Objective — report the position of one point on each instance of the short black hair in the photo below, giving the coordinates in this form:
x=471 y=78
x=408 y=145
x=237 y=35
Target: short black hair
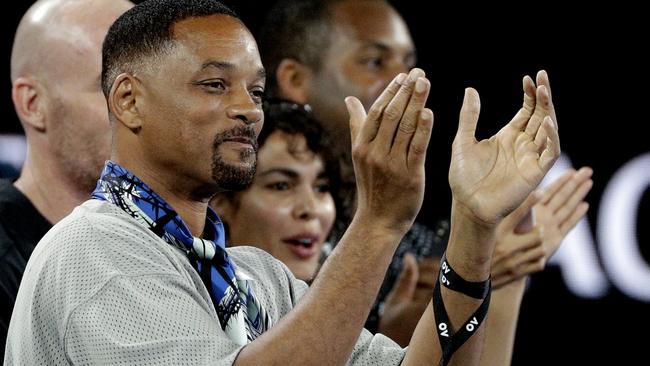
x=296 y=29
x=294 y=119
x=297 y=120
x=146 y=30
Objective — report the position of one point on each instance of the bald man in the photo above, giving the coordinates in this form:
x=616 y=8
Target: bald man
x=56 y=90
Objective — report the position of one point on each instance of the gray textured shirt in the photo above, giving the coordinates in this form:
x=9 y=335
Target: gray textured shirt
x=101 y=289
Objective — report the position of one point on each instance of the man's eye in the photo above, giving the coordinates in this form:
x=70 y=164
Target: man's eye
x=373 y=63
x=214 y=85
x=258 y=96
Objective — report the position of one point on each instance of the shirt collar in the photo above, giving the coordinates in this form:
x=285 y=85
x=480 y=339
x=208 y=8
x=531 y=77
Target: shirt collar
x=119 y=186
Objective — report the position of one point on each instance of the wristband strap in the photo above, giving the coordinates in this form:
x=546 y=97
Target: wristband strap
x=451 y=280
x=451 y=342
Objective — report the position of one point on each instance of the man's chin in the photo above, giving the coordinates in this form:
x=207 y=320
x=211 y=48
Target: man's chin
x=242 y=160
x=233 y=177
x=244 y=167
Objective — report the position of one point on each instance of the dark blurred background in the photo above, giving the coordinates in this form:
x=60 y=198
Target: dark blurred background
x=595 y=294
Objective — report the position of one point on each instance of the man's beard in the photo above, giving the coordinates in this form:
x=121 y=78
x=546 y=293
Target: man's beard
x=229 y=177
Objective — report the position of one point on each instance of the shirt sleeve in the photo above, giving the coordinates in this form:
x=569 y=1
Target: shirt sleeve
x=376 y=349
x=147 y=320
x=370 y=350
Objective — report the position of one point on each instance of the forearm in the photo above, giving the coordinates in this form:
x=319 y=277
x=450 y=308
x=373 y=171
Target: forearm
x=469 y=251
x=502 y=323
x=326 y=323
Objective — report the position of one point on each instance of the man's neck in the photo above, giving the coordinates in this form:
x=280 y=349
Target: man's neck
x=49 y=190
x=192 y=211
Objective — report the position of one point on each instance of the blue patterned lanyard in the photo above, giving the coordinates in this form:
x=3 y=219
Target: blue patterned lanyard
x=240 y=314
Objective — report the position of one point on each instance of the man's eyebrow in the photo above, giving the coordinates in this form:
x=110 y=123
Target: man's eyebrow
x=224 y=65
x=385 y=48
x=378 y=45
x=261 y=73
x=218 y=64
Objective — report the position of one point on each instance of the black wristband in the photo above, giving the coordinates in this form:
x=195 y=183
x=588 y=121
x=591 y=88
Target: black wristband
x=451 y=280
x=449 y=342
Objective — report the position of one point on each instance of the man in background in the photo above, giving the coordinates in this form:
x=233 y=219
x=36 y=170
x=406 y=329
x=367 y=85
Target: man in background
x=56 y=91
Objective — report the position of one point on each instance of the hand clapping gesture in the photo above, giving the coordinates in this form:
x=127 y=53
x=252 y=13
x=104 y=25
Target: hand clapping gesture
x=529 y=236
x=389 y=147
x=492 y=177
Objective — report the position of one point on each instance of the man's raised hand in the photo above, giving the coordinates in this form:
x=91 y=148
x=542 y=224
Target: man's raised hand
x=490 y=178
x=389 y=146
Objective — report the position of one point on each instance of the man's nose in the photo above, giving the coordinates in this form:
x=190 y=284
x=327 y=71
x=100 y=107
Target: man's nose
x=245 y=109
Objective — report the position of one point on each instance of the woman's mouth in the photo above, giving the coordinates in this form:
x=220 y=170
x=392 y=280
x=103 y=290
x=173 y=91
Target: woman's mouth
x=303 y=246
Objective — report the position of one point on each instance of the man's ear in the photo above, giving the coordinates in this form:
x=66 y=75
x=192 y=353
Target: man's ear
x=122 y=101
x=30 y=103
x=294 y=79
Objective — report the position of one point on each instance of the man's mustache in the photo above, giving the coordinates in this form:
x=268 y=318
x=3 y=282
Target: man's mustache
x=244 y=132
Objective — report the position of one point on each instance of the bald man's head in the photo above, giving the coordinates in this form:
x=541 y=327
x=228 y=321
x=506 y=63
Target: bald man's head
x=53 y=29
x=56 y=74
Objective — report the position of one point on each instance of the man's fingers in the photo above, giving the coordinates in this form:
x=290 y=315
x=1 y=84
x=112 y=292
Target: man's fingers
x=579 y=212
x=377 y=109
x=518 y=265
x=520 y=120
x=544 y=105
x=529 y=94
x=357 y=117
x=531 y=267
x=542 y=109
x=395 y=112
x=551 y=190
x=417 y=151
x=542 y=79
x=568 y=190
x=574 y=200
x=410 y=119
x=532 y=253
x=517 y=243
x=468 y=118
x=541 y=138
x=552 y=148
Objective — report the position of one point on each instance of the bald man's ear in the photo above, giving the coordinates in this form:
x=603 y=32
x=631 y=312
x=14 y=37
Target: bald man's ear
x=294 y=79
x=29 y=102
x=122 y=102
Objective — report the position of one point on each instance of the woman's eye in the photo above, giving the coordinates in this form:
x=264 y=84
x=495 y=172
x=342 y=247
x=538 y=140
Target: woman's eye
x=279 y=186
x=322 y=187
